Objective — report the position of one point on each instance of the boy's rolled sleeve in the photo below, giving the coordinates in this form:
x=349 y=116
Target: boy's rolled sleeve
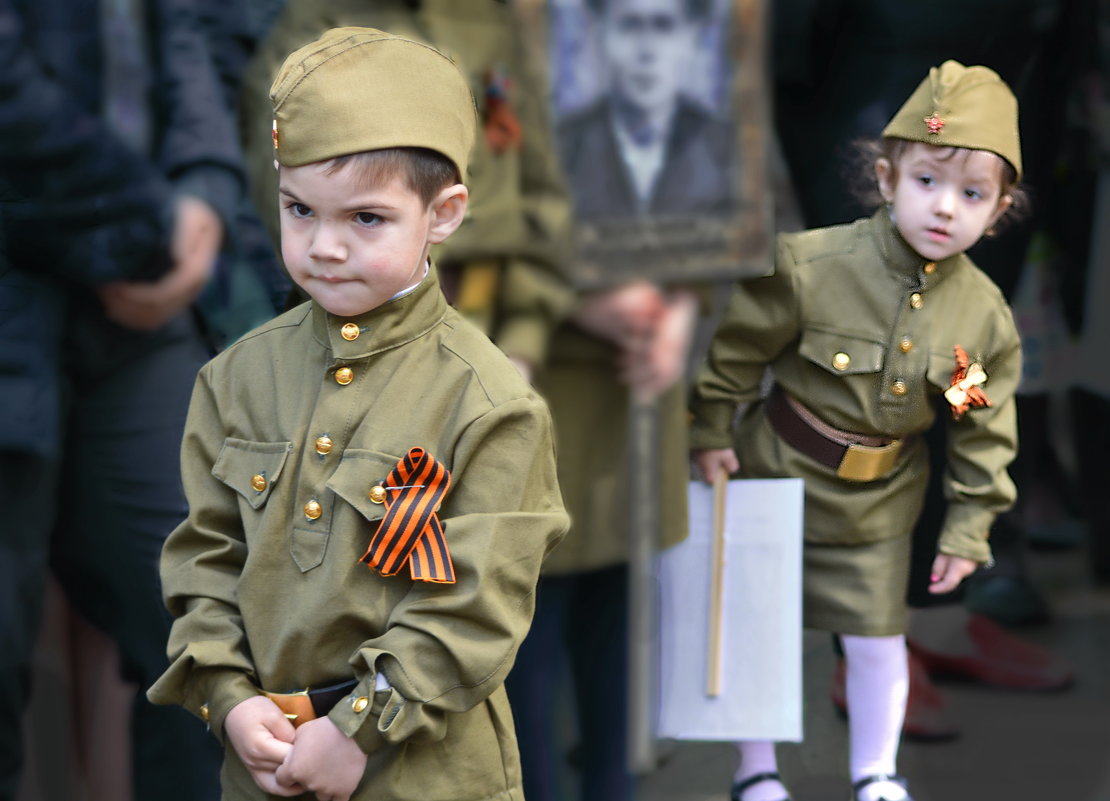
x=210 y=668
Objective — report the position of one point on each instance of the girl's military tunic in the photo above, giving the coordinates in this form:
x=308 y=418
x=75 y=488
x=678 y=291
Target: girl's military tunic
x=861 y=330
x=289 y=431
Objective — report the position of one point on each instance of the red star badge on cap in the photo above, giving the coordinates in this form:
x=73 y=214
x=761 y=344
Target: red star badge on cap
x=934 y=123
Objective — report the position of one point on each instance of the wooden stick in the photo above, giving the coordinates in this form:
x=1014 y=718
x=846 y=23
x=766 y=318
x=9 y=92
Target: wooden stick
x=716 y=590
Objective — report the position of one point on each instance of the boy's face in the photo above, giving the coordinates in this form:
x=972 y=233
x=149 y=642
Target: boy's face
x=352 y=247
x=943 y=199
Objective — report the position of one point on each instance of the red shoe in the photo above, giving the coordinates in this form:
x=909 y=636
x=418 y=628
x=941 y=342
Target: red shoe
x=996 y=658
x=927 y=717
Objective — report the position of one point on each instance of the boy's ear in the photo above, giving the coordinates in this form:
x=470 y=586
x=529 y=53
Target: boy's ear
x=448 y=209
x=884 y=174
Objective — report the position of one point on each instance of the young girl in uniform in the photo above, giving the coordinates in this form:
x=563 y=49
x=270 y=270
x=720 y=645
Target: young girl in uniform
x=863 y=326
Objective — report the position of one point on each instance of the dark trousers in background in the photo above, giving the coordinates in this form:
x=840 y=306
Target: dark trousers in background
x=97 y=514
x=581 y=624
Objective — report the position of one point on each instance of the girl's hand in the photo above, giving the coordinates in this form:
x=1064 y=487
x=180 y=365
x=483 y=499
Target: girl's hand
x=948 y=572
x=712 y=462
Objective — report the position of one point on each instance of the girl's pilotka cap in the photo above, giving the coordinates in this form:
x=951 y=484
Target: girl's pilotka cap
x=958 y=106
x=359 y=89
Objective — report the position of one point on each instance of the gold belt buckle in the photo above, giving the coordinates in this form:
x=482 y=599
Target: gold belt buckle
x=297 y=706
x=868 y=462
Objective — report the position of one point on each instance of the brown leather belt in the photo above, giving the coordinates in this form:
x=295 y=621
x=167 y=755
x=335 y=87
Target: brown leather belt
x=305 y=705
x=854 y=457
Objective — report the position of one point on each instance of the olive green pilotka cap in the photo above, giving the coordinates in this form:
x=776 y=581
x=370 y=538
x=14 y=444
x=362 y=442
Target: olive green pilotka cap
x=958 y=106
x=359 y=89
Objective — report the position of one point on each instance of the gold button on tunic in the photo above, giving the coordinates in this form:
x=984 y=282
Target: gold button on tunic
x=349 y=331
x=313 y=510
x=258 y=482
x=324 y=445
x=344 y=375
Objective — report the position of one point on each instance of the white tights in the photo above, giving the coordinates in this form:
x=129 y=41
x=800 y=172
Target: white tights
x=877 y=687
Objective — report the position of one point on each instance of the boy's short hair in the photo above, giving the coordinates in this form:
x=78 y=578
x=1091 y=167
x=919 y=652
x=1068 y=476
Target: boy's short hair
x=425 y=172
x=361 y=89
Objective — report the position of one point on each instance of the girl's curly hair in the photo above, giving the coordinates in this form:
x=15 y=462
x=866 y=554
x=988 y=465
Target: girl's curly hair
x=864 y=185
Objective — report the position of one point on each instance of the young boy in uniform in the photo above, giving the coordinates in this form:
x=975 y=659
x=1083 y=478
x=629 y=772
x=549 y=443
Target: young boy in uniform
x=371 y=482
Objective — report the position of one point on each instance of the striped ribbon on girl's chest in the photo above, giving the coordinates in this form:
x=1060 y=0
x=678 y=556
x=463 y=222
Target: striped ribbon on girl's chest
x=410 y=530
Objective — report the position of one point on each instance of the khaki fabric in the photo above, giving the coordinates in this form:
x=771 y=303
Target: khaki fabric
x=519 y=214
x=858 y=291
x=958 y=106
x=591 y=412
x=857 y=589
x=266 y=598
x=357 y=89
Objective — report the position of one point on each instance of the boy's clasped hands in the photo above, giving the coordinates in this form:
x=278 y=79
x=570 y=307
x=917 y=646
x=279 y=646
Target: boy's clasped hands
x=314 y=757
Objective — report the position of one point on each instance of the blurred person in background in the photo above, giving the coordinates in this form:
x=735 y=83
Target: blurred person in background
x=121 y=176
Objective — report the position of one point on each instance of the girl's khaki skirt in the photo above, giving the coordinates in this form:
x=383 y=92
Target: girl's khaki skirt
x=857 y=534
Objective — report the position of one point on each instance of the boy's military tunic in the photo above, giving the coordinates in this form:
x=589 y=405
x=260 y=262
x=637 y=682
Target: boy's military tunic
x=288 y=431
x=861 y=330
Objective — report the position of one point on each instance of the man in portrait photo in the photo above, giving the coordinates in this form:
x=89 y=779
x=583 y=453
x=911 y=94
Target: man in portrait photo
x=647 y=145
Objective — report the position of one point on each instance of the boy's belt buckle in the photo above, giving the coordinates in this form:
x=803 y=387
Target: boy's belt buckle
x=868 y=462
x=296 y=706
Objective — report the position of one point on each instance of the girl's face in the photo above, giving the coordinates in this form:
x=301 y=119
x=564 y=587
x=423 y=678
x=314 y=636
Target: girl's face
x=943 y=199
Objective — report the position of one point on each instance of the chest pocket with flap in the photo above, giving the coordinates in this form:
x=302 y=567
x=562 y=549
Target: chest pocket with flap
x=357 y=473
x=840 y=353
x=251 y=468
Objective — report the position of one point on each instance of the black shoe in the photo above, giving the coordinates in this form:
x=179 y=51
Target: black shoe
x=739 y=788
x=878 y=777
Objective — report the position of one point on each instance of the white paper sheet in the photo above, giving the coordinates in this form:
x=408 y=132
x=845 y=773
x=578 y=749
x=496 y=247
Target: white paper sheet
x=761 y=620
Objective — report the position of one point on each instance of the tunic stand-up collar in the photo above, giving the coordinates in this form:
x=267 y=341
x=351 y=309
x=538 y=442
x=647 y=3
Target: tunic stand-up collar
x=393 y=323
x=902 y=260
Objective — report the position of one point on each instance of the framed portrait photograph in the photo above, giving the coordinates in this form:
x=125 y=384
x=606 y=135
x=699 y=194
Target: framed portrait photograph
x=661 y=115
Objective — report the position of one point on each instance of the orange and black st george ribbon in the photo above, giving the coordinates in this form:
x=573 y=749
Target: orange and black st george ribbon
x=410 y=531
